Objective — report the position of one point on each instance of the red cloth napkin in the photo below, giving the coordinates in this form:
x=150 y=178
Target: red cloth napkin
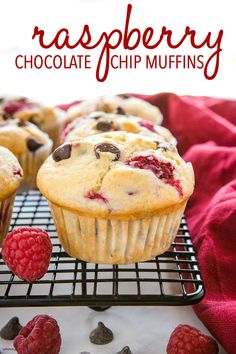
x=206 y=131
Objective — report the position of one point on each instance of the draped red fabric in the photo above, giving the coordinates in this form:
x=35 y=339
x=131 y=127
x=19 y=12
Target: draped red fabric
x=205 y=128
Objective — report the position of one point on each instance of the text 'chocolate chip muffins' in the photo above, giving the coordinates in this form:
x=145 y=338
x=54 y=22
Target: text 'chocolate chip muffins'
x=99 y=122
x=125 y=104
x=29 y=144
x=48 y=119
x=116 y=197
x=10 y=178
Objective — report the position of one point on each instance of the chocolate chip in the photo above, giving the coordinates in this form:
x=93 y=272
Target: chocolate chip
x=21 y=123
x=63 y=152
x=96 y=115
x=101 y=335
x=106 y=147
x=11 y=329
x=104 y=126
x=125 y=350
x=6 y=116
x=32 y=120
x=120 y=110
x=2 y=99
x=33 y=144
x=84 y=353
x=124 y=96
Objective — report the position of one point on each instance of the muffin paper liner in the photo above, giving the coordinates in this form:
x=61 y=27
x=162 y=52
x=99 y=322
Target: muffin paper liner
x=113 y=241
x=30 y=163
x=6 y=207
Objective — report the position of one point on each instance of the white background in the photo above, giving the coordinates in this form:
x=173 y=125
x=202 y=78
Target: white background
x=18 y=19
x=141 y=328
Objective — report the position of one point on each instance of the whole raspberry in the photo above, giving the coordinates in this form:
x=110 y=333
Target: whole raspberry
x=186 y=339
x=40 y=336
x=27 y=252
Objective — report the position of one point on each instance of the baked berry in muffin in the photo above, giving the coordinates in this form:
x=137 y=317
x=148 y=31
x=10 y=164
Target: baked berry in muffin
x=124 y=104
x=29 y=144
x=46 y=118
x=100 y=122
x=10 y=178
x=123 y=196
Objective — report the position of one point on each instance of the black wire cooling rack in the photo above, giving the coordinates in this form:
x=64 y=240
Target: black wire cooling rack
x=172 y=278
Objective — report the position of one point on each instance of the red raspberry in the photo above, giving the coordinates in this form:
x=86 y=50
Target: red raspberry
x=27 y=252
x=41 y=335
x=186 y=339
x=162 y=170
x=13 y=107
x=94 y=195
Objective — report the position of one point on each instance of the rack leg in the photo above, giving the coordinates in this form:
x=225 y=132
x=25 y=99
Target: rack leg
x=83 y=277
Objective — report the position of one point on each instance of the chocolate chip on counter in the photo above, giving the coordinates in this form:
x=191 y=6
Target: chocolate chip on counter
x=101 y=335
x=120 y=110
x=104 y=126
x=84 y=353
x=11 y=329
x=125 y=350
x=33 y=144
x=106 y=147
x=63 y=152
x=124 y=96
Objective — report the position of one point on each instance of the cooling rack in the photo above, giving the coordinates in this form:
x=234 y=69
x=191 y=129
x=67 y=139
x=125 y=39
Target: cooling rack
x=172 y=278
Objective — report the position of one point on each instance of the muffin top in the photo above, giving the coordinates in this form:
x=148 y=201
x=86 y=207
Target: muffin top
x=27 y=109
x=99 y=122
x=116 y=175
x=10 y=173
x=20 y=136
x=125 y=103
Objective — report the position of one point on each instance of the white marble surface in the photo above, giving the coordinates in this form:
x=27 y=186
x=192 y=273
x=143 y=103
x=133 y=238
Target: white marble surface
x=144 y=329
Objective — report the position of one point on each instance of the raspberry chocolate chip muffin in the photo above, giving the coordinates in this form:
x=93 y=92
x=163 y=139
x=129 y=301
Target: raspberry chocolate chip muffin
x=29 y=144
x=123 y=196
x=10 y=178
x=99 y=122
x=124 y=103
x=47 y=119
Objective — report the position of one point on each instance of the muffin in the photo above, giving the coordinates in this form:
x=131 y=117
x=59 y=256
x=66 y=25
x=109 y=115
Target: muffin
x=47 y=119
x=121 y=103
x=10 y=178
x=123 y=196
x=29 y=144
x=99 y=122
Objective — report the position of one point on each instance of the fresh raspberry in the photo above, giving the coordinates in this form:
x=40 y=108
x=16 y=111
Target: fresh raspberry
x=186 y=339
x=41 y=335
x=27 y=252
